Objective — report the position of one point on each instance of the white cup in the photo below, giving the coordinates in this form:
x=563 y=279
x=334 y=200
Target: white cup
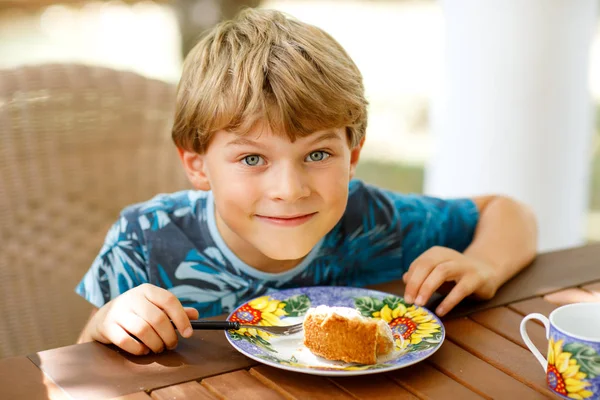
x=573 y=364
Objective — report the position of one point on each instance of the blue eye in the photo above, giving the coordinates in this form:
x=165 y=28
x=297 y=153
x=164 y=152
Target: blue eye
x=253 y=160
x=317 y=156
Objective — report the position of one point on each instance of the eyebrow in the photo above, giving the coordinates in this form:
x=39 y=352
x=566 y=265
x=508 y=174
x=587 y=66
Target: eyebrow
x=328 y=135
x=241 y=141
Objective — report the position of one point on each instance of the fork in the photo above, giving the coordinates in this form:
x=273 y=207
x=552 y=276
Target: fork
x=226 y=325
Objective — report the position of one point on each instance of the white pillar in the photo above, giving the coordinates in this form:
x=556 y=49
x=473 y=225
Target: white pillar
x=514 y=114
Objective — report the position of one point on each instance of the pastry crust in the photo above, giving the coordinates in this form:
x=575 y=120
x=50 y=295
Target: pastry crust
x=341 y=333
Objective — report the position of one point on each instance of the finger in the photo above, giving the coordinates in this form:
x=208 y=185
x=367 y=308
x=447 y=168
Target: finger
x=97 y=334
x=171 y=305
x=159 y=321
x=415 y=280
x=117 y=335
x=192 y=313
x=138 y=327
x=463 y=288
x=421 y=267
x=433 y=256
x=441 y=273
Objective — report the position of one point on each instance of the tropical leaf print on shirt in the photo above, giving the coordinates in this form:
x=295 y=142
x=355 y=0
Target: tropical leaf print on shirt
x=171 y=241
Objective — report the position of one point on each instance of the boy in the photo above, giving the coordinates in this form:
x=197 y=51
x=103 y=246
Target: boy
x=270 y=121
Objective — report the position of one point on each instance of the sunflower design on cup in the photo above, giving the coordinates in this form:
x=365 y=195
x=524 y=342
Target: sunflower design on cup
x=572 y=365
x=564 y=373
x=414 y=328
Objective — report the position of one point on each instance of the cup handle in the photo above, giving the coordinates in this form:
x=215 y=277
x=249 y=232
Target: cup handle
x=528 y=341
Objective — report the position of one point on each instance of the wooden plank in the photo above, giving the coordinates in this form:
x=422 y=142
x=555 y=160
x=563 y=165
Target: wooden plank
x=427 y=382
x=478 y=375
x=187 y=390
x=506 y=322
x=110 y=372
x=22 y=379
x=301 y=386
x=373 y=387
x=545 y=275
x=572 y=295
x=533 y=305
x=394 y=287
x=240 y=385
x=133 y=396
x=503 y=354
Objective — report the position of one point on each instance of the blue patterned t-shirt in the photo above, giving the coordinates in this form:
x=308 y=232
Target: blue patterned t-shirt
x=172 y=241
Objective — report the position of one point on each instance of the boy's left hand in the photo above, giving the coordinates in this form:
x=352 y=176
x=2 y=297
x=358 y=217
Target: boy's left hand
x=440 y=265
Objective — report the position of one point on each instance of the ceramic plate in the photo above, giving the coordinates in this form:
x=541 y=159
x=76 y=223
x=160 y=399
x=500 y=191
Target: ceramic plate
x=418 y=333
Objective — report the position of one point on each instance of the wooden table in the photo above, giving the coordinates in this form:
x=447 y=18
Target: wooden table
x=483 y=355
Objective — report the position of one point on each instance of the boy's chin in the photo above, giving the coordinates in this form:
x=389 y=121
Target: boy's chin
x=287 y=253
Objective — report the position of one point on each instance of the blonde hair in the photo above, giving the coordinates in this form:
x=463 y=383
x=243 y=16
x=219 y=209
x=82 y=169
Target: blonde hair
x=266 y=66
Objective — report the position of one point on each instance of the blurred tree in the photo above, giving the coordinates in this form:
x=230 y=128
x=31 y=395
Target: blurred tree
x=37 y=4
x=195 y=16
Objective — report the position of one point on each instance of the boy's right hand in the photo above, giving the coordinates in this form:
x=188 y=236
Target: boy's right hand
x=144 y=312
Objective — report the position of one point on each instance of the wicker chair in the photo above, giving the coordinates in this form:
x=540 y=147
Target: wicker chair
x=77 y=144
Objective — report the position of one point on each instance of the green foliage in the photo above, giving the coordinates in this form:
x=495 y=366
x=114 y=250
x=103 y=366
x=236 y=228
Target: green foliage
x=436 y=338
x=587 y=358
x=297 y=305
x=393 y=301
x=255 y=340
x=367 y=305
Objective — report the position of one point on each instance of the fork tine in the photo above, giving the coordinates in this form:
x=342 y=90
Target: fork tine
x=278 y=330
x=294 y=329
x=287 y=329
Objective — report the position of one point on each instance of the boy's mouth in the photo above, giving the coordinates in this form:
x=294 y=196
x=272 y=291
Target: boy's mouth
x=287 y=220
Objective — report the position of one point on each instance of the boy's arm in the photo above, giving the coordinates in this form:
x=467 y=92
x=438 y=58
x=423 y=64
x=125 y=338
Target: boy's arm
x=506 y=236
x=505 y=241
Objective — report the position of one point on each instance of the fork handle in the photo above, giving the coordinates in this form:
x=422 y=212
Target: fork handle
x=215 y=325
x=202 y=325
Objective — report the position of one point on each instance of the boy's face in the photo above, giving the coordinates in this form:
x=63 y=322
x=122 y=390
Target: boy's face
x=275 y=199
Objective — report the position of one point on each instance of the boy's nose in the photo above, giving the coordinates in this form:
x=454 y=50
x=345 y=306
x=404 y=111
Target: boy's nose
x=289 y=184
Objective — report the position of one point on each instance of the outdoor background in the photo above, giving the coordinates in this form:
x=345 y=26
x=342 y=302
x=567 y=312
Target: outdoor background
x=397 y=44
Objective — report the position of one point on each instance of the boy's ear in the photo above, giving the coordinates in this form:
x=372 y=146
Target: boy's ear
x=354 y=157
x=195 y=168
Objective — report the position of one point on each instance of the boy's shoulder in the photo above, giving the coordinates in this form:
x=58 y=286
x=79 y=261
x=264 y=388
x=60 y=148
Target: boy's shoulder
x=361 y=192
x=364 y=196
x=424 y=221
x=176 y=204
x=383 y=203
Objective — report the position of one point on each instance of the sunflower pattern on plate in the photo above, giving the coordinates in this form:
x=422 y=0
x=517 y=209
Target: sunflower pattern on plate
x=266 y=311
x=418 y=331
x=566 y=372
x=414 y=328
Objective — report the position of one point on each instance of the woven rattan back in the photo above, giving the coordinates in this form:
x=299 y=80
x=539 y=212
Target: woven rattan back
x=77 y=144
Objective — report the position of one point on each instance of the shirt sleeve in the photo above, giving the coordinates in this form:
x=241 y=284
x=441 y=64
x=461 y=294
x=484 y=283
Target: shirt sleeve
x=429 y=221
x=120 y=265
